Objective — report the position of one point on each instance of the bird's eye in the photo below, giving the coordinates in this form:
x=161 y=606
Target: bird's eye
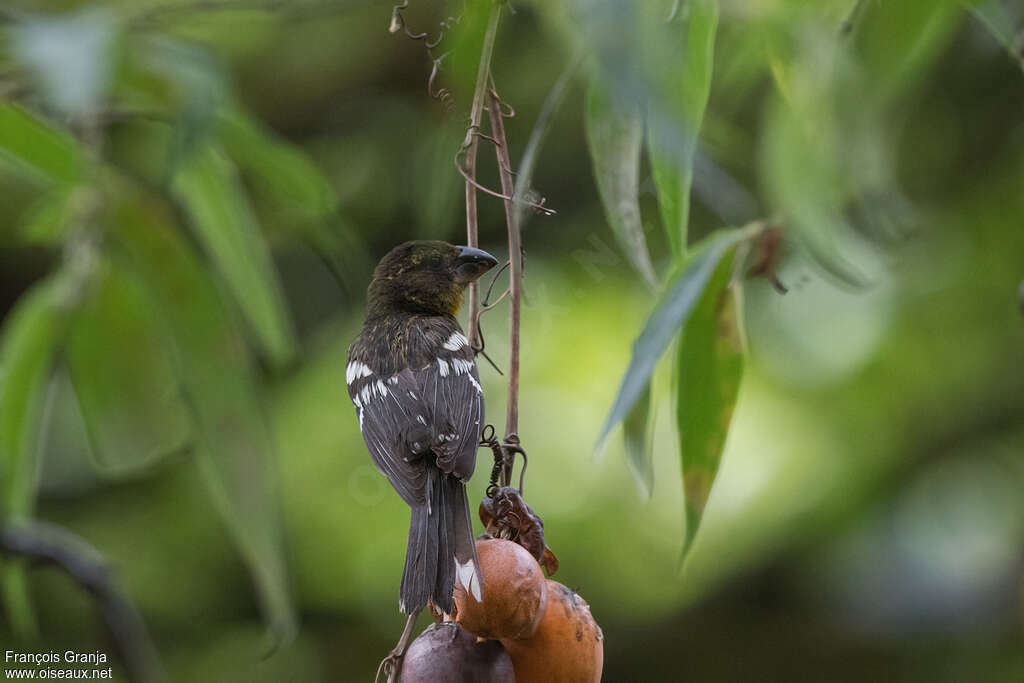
x=428 y=261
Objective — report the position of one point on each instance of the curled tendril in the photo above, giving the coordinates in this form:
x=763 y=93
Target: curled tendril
x=490 y=288
x=504 y=459
x=443 y=95
x=398 y=23
x=487 y=305
x=507 y=110
x=527 y=199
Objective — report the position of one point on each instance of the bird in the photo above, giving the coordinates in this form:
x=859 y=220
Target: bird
x=413 y=380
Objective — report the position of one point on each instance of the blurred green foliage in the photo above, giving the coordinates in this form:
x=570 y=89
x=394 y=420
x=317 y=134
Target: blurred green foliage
x=194 y=194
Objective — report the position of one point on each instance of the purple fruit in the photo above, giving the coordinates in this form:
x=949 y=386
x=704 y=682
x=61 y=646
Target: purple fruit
x=447 y=652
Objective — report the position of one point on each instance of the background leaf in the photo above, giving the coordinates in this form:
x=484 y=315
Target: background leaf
x=615 y=132
x=234 y=448
x=279 y=170
x=671 y=314
x=638 y=440
x=894 y=60
x=676 y=113
x=207 y=186
x=709 y=367
x=827 y=158
x=803 y=173
x=30 y=337
x=37 y=150
x=187 y=82
x=300 y=194
x=122 y=375
x=45 y=221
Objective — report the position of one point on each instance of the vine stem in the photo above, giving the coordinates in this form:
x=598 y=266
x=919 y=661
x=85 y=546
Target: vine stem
x=515 y=257
x=469 y=144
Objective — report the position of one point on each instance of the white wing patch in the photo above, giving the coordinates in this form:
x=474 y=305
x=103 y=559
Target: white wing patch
x=442 y=366
x=460 y=365
x=456 y=341
x=372 y=390
x=466 y=575
x=355 y=370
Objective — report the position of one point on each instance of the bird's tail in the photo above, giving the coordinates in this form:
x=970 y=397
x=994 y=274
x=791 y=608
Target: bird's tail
x=441 y=547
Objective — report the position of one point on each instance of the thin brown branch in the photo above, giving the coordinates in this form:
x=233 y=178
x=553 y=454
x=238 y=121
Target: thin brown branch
x=468 y=167
x=472 y=239
x=515 y=255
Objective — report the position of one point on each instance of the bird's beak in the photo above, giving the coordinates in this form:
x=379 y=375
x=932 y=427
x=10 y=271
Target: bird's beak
x=471 y=263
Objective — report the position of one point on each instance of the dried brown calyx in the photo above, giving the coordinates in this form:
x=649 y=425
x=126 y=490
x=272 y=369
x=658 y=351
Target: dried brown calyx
x=767 y=252
x=506 y=515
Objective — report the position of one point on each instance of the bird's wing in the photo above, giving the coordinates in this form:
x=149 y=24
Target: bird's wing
x=454 y=406
x=388 y=408
x=436 y=405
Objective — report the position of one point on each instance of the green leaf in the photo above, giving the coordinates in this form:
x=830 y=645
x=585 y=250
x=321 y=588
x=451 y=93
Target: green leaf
x=45 y=221
x=280 y=171
x=531 y=153
x=184 y=79
x=674 y=119
x=37 y=150
x=898 y=41
x=615 y=133
x=286 y=178
x=672 y=312
x=122 y=376
x=828 y=147
x=638 y=440
x=207 y=186
x=30 y=337
x=803 y=174
x=29 y=341
x=709 y=367
x=234 y=447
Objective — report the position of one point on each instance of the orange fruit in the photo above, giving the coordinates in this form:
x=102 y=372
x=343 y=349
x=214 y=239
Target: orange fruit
x=513 y=592
x=566 y=647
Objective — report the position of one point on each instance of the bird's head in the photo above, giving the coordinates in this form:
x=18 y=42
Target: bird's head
x=425 y=277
